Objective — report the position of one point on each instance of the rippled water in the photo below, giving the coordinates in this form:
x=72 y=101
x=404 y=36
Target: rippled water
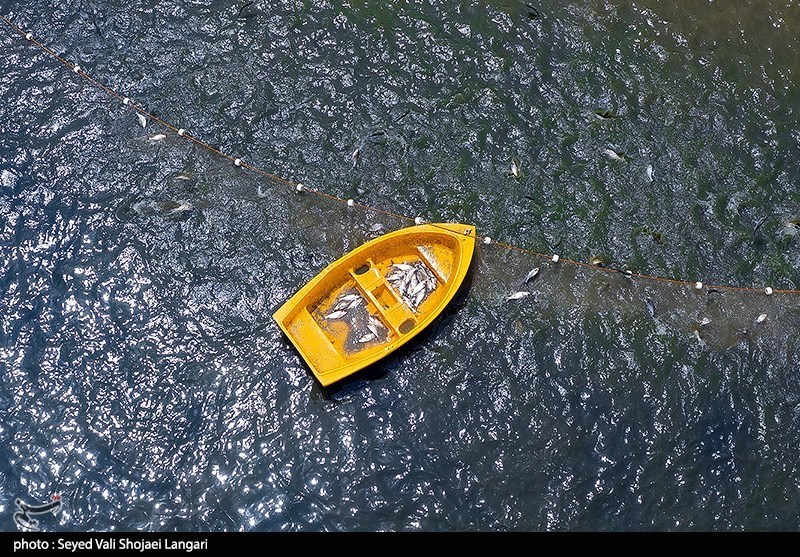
x=143 y=377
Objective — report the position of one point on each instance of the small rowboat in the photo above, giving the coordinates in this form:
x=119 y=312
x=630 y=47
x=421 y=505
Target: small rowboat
x=376 y=298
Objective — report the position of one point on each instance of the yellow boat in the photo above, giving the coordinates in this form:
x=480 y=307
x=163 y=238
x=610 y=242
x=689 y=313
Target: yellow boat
x=376 y=298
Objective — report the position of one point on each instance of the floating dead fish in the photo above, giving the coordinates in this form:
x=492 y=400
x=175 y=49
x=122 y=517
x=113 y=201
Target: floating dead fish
x=166 y=205
x=761 y=318
x=142 y=119
x=532 y=274
x=696 y=334
x=651 y=309
x=158 y=137
x=376 y=227
x=184 y=176
x=367 y=338
x=182 y=207
x=705 y=321
x=514 y=168
x=614 y=155
x=790 y=228
x=517 y=295
x=356 y=156
x=649 y=172
x=603 y=114
x=336 y=314
x=598 y=261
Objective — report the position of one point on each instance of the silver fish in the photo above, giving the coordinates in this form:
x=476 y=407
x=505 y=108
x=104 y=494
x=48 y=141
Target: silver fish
x=406 y=282
x=417 y=289
x=354 y=303
x=402 y=266
x=532 y=274
x=183 y=206
x=372 y=325
x=366 y=338
x=376 y=227
x=517 y=295
x=613 y=155
x=419 y=298
x=649 y=172
x=336 y=315
x=350 y=297
x=158 y=137
x=142 y=119
x=431 y=286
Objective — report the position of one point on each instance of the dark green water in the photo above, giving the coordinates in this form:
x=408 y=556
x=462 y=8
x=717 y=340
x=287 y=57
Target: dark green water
x=143 y=377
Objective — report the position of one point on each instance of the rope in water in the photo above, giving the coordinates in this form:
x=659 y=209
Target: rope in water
x=238 y=162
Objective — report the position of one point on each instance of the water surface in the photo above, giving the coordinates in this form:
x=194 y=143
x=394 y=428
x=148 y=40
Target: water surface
x=143 y=377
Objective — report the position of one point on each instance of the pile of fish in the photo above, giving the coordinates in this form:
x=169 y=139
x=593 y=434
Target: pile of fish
x=412 y=281
x=346 y=306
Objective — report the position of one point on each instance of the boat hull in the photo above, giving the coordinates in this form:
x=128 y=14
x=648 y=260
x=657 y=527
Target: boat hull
x=371 y=301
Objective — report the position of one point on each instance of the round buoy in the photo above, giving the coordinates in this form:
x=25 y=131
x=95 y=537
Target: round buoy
x=29 y=36
x=768 y=290
x=126 y=101
x=299 y=187
x=555 y=258
x=76 y=68
x=418 y=220
x=487 y=240
x=238 y=162
x=698 y=285
x=181 y=132
x=350 y=202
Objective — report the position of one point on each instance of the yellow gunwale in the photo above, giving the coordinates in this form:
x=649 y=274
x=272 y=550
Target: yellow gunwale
x=330 y=362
